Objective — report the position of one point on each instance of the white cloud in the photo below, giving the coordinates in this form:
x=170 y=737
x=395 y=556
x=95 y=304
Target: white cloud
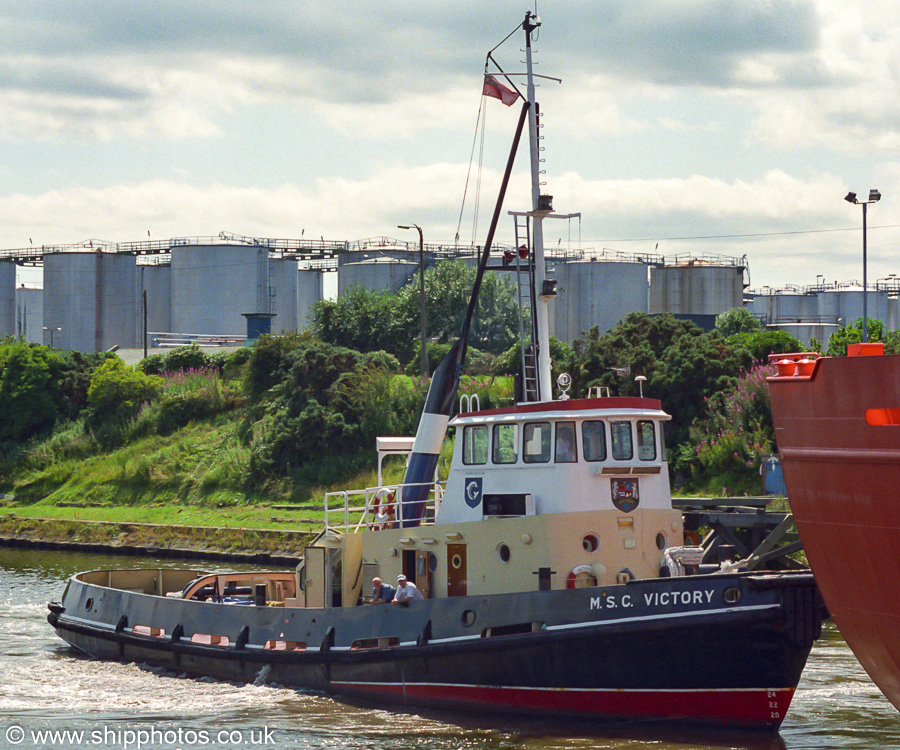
x=720 y=117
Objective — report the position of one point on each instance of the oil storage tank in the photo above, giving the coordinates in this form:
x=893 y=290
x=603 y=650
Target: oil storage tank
x=30 y=313
x=310 y=289
x=90 y=300
x=596 y=292
x=283 y=293
x=7 y=298
x=155 y=280
x=214 y=285
x=789 y=305
x=380 y=273
x=697 y=286
x=845 y=302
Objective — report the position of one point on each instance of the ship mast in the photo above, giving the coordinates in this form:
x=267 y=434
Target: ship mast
x=540 y=208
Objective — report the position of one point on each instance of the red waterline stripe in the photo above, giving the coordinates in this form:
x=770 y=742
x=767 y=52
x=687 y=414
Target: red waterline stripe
x=751 y=706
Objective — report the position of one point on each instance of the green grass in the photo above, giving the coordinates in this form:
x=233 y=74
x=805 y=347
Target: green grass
x=249 y=517
x=194 y=476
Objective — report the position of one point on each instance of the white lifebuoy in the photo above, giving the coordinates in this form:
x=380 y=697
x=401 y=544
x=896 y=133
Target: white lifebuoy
x=384 y=505
x=587 y=574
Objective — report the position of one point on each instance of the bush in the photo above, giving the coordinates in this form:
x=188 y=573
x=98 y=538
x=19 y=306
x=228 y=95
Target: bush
x=190 y=357
x=726 y=446
x=737 y=320
x=153 y=364
x=270 y=360
x=853 y=334
x=30 y=394
x=193 y=358
x=179 y=410
x=381 y=360
x=436 y=352
x=118 y=392
x=757 y=346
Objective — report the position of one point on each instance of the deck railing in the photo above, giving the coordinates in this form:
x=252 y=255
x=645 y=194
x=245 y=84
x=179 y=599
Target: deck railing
x=351 y=511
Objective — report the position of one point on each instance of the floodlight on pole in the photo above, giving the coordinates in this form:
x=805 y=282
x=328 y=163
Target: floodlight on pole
x=874 y=197
x=52 y=329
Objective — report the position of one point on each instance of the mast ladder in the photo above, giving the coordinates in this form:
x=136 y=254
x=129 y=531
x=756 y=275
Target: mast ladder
x=527 y=304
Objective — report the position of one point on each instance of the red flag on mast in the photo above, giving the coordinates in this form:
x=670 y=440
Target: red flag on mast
x=492 y=87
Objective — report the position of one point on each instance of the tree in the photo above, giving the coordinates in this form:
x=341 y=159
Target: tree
x=682 y=364
x=448 y=288
x=30 y=398
x=367 y=320
x=737 y=320
x=758 y=345
x=852 y=334
x=327 y=409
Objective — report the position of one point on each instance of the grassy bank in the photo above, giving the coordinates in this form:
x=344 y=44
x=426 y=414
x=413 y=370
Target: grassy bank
x=158 y=537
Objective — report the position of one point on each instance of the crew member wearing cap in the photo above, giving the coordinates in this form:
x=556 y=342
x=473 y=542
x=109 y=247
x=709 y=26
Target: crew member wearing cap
x=406 y=590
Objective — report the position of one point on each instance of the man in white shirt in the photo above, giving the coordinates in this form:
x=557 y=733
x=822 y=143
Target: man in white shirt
x=406 y=590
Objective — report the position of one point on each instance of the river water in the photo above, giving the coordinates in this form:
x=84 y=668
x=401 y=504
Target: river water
x=45 y=688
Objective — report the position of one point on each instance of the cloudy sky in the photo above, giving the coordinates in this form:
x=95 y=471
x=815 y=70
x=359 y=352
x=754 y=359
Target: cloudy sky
x=731 y=127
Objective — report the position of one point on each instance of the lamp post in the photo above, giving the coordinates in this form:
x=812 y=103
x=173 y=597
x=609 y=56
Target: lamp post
x=424 y=356
x=874 y=197
x=52 y=331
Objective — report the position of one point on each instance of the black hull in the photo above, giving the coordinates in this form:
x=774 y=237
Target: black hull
x=632 y=659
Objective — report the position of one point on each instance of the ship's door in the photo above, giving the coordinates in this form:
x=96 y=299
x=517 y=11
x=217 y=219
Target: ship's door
x=317 y=584
x=456 y=570
x=423 y=572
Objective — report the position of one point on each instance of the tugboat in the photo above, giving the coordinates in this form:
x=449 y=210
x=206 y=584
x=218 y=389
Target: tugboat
x=837 y=425
x=551 y=566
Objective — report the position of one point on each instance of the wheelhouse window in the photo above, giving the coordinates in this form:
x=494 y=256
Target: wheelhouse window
x=536 y=447
x=505 y=443
x=622 y=449
x=566 y=450
x=593 y=438
x=646 y=441
x=475 y=444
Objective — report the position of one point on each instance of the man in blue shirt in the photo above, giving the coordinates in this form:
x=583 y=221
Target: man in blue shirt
x=382 y=593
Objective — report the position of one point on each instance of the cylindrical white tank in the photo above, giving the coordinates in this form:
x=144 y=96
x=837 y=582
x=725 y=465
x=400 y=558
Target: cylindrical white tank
x=213 y=285
x=7 y=298
x=829 y=306
x=30 y=314
x=386 y=273
x=785 y=306
x=156 y=281
x=805 y=332
x=89 y=300
x=696 y=288
x=283 y=286
x=847 y=304
x=596 y=293
x=310 y=289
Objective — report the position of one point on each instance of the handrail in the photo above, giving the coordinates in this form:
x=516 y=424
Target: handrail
x=367 y=520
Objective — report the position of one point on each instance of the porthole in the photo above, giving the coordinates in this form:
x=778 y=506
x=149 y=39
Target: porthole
x=503 y=552
x=590 y=542
x=731 y=595
x=456 y=561
x=467 y=619
x=661 y=541
x=89 y=604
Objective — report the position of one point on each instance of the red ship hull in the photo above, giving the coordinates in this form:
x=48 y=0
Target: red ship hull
x=837 y=425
